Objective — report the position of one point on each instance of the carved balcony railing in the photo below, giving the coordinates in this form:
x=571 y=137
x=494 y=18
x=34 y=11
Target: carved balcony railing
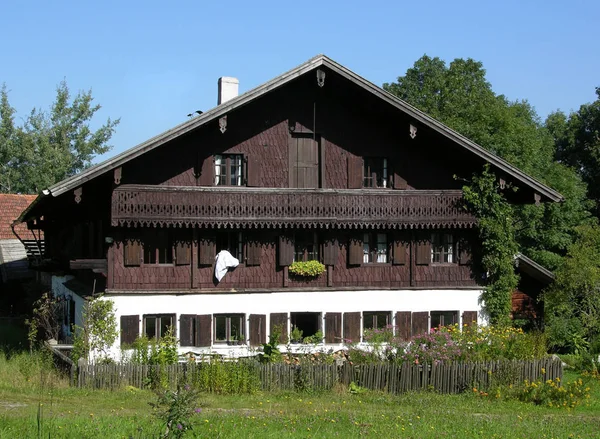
x=273 y=208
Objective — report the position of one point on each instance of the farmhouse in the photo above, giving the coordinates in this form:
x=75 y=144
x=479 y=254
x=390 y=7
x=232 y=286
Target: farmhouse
x=317 y=164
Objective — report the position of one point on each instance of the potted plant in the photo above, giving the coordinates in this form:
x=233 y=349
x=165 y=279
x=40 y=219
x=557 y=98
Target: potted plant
x=296 y=336
x=307 y=269
x=316 y=338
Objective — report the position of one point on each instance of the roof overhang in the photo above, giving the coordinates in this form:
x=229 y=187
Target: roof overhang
x=534 y=269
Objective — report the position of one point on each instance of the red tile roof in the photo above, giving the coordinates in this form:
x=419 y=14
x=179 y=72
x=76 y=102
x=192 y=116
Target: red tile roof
x=11 y=206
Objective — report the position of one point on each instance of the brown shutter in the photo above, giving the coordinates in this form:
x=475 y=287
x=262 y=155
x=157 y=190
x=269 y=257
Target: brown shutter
x=253 y=252
x=207 y=173
x=469 y=318
x=132 y=253
x=423 y=256
x=355 y=251
x=355 y=172
x=399 y=182
x=351 y=327
x=286 y=250
x=186 y=329
x=403 y=325
x=206 y=251
x=420 y=323
x=464 y=253
x=203 y=330
x=258 y=329
x=281 y=320
x=330 y=253
x=130 y=329
x=253 y=171
x=333 y=327
x=400 y=256
x=182 y=253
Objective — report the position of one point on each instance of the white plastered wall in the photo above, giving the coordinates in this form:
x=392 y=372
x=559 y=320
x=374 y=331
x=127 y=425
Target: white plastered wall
x=266 y=303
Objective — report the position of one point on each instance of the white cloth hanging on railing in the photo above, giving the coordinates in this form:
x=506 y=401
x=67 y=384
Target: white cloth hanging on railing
x=224 y=261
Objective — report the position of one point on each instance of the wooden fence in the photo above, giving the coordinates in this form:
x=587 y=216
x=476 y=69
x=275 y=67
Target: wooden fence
x=443 y=378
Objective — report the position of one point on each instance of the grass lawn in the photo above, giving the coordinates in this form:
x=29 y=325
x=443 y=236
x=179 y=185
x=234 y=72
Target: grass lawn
x=73 y=413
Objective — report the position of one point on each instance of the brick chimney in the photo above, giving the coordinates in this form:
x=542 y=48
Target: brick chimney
x=228 y=89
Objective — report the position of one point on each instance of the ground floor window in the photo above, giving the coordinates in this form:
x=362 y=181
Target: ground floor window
x=229 y=328
x=156 y=326
x=376 y=319
x=443 y=318
x=306 y=324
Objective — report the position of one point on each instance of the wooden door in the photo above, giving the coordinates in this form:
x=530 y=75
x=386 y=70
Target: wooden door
x=304 y=162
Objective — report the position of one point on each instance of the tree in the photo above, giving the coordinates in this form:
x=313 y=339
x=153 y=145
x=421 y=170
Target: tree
x=50 y=146
x=99 y=331
x=578 y=144
x=460 y=96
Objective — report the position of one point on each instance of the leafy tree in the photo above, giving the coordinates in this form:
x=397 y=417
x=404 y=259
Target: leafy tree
x=99 y=331
x=49 y=146
x=460 y=96
x=572 y=302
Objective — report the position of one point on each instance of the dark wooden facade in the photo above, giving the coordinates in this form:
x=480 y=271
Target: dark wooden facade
x=304 y=151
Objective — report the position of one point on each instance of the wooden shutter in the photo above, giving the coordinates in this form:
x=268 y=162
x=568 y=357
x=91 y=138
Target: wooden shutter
x=258 y=329
x=330 y=252
x=464 y=253
x=253 y=171
x=206 y=251
x=403 y=325
x=399 y=182
x=207 y=173
x=186 y=329
x=333 y=327
x=352 y=327
x=355 y=172
x=469 y=318
x=286 y=250
x=253 y=252
x=203 y=330
x=280 y=319
x=130 y=329
x=182 y=253
x=423 y=256
x=132 y=253
x=420 y=323
x=355 y=251
x=400 y=256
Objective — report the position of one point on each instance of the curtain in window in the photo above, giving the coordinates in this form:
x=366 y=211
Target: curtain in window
x=218 y=162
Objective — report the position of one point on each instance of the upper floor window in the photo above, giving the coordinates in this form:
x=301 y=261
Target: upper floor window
x=232 y=242
x=442 y=248
x=306 y=246
x=158 y=247
x=229 y=169
x=375 y=172
x=375 y=248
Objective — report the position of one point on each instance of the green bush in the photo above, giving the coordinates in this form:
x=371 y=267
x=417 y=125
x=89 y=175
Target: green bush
x=234 y=377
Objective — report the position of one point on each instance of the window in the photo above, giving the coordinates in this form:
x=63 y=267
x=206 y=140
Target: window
x=442 y=248
x=375 y=172
x=375 y=248
x=376 y=319
x=156 y=326
x=306 y=247
x=228 y=169
x=158 y=247
x=443 y=318
x=229 y=328
x=307 y=322
x=232 y=242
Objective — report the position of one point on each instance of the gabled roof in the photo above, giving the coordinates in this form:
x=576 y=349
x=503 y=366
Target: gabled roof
x=11 y=207
x=534 y=269
x=318 y=61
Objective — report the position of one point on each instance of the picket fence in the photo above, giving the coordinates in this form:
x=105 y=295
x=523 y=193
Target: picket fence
x=443 y=378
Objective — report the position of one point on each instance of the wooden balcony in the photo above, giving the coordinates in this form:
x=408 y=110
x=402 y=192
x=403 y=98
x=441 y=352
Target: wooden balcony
x=175 y=206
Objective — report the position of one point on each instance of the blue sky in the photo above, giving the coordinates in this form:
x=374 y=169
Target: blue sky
x=153 y=62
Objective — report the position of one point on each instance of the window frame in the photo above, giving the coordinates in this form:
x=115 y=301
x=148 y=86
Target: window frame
x=228 y=340
x=442 y=314
x=381 y=167
x=443 y=247
x=158 y=327
x=302 y=239
x=371 y=252
x=240 y=244
x=218 y=169
x=162 y=241
x=374 y=317
x=293 y=320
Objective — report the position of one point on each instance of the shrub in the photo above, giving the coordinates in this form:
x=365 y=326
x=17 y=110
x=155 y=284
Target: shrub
x=175 y=409
x=222 y=377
